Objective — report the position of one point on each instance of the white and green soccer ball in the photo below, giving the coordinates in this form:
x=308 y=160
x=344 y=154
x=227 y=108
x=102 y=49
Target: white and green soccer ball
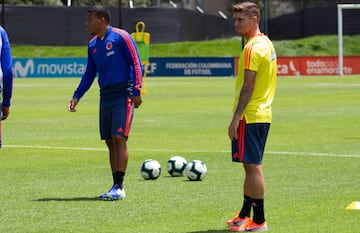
x=196 y=170
x=176 y=166
x=150 y=169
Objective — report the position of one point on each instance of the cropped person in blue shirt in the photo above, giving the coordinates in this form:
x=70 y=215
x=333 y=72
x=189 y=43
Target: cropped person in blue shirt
x=6 y=77
x=112 y=54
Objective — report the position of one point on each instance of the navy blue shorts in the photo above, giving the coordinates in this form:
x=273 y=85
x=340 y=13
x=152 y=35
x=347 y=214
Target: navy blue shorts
x=250 y=145
x=116 y=115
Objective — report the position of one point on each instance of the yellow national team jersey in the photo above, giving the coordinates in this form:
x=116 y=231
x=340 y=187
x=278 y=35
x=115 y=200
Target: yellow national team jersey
x=258 y=55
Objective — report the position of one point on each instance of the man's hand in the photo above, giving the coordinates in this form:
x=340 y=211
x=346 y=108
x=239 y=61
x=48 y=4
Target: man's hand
x=233 y=128
x=72 y=105
x=5 y=112
x=136 y=101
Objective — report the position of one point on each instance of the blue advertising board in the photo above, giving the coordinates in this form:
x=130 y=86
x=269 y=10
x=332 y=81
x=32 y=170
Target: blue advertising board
x=49 y=67
x=194 y=66
x=158 y=67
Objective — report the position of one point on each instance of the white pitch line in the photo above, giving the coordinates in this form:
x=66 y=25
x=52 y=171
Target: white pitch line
x=184 y=151
x=54 y=147
x=312 y=154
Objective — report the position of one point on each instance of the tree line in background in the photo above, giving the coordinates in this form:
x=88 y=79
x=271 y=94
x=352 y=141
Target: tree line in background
x=276 y=8
x=273 y=8
x=77 y=2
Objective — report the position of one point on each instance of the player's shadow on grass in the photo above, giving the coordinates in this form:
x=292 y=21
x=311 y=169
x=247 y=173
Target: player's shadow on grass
x=68 y=199
x=210 y=231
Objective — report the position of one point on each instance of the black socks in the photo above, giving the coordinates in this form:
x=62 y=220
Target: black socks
x=258 y=207
x=247 y=204
x=118 y=178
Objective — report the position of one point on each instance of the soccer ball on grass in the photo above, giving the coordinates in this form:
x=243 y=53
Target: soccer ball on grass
x=150 y=169
x=196 y=170
x=176 y=166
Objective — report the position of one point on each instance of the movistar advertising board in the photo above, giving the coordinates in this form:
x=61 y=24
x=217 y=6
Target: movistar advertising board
x=158 y=67
x=49 y=67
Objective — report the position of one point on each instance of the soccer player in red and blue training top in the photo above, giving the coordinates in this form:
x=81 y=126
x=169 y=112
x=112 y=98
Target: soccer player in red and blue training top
x=6 y=77
x=112 y=54
x=249 y=127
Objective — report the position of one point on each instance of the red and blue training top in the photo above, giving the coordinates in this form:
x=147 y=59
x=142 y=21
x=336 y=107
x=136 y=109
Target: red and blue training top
x=6 y=70
x=116 y=60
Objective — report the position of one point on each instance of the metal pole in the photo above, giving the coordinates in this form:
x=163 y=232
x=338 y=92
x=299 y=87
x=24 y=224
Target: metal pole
x=340 y=41
x=120 y=15
x=266 y=17
x=3 y=13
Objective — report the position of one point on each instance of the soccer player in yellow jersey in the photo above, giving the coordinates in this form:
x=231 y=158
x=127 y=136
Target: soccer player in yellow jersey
x=249 y=127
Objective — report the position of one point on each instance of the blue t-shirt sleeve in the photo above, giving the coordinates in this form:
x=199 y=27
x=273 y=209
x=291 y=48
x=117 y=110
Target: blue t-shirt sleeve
x=6 y=67
x=132 y=56
x=88 y=77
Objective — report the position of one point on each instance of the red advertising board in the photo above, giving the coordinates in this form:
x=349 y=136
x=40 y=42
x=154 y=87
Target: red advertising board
x=296 y=66
x=301 y=66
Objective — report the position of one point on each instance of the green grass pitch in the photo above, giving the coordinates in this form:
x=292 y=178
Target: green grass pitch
x=53 y=165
